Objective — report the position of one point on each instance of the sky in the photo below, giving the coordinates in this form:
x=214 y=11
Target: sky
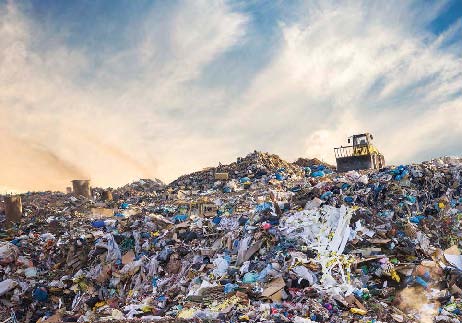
x=114 y=91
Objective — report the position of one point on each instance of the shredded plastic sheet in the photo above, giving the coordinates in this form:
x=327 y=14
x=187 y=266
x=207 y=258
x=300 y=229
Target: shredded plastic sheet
x=113 y=251
x=327 y=231
x=326 y=228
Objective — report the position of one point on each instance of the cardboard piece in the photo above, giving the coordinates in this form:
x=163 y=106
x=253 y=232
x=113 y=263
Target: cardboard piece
x=379 y=241
x=128 y=257
x=100 y=212
x=273 y=290
x=104 y=274
x=454 y=250
x=253 y=249
x=222 y=176
x=354 y=302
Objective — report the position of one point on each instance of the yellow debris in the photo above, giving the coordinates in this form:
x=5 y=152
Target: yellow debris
x=395 y=276
x=187 y=313
x=359 y=311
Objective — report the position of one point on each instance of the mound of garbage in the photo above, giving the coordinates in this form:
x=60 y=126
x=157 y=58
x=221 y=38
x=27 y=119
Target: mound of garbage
x=254 y=165
x=310 y=162
x=269 y=242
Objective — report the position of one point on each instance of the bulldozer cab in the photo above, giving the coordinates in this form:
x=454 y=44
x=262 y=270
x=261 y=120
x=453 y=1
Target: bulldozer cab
x=359 y=154
x=359 y=139
x=362 y=144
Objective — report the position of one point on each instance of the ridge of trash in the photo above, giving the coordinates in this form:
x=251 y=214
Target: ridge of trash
x=258 y=240
x=256 y=164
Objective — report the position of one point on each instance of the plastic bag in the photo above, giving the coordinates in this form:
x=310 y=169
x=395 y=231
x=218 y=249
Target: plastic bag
x=245 y=267
x=7 y=285
x=250 y=278
x=221 y=267
x=132 y=267
x=113 y=251
x=243 y=246
x=137 y=237
x=318 y=173
x=304 y=273
x=8 y=253
x=30 y=272
x=153 y=267
x=262 y=275
x=229 y=288
x=244 y=180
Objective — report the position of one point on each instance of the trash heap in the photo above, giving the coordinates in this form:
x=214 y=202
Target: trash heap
x=309 y=162
x=255 y=165
x=274 y=242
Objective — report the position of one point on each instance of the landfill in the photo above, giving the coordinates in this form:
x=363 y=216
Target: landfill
x=258 y=240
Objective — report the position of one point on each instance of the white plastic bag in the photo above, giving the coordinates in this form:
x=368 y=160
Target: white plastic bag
x=243 y=246
x=245 y=267
x=304 y=273
x=221 y=267
x=7 y=285
x=113 y=251
x=8 y=253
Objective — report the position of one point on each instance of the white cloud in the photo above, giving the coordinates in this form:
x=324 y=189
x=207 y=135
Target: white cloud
x=112 y=129
x=144 y=110
x=320 y=86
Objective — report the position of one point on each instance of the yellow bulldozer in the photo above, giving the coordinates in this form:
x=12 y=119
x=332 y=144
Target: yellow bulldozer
x=359 y=154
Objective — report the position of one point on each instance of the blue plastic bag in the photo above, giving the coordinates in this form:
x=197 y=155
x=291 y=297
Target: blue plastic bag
x=180 y=218
x=411 y=199
x=250 y=278
x=243 y=180
x=40 y=294
x=348 y=199
x=416 y=219
x=229 y=288
x=326 y=195
x=263 y=206
x=262 y=275
x=318 y=173
x=421 y=282
x=98 y=224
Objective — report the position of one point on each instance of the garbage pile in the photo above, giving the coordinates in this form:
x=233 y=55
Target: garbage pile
x=309 y=162
x=273 y=242
x=254 y=165
x=148 y=185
